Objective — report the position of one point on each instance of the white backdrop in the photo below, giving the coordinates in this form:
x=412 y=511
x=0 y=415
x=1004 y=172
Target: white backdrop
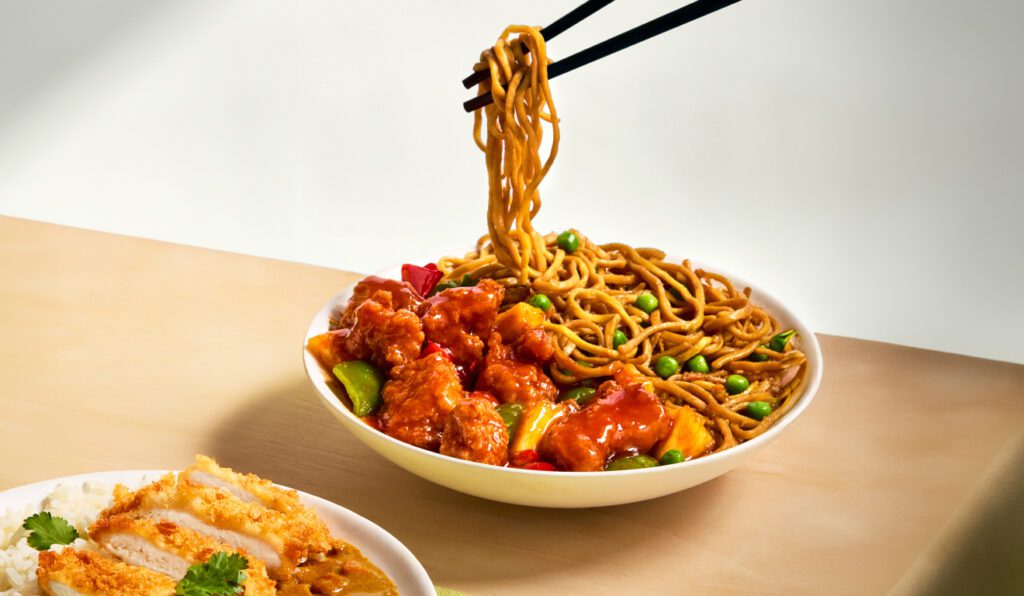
x=864 y=160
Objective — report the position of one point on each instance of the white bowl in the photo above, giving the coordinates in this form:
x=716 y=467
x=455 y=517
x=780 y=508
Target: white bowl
x=564 y=489
x=380 y=547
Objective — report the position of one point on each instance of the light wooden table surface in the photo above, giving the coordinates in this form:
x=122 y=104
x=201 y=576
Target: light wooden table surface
x=121 y=353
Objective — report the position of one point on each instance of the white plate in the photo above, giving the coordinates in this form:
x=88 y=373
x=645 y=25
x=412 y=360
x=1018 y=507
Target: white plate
x=564 y=489
x=380 y=547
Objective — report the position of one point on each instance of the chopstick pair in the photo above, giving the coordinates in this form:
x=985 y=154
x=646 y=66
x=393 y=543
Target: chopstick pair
x=680 y=16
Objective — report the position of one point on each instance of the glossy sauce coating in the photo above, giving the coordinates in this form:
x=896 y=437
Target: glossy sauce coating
x=402 y=295
x=383 y=335
x=475 y=431
x=620 y=421
x=461 y=319
x=419 y=398
x=512 y=380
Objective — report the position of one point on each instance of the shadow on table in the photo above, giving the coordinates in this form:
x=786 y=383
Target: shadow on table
x=286 y=435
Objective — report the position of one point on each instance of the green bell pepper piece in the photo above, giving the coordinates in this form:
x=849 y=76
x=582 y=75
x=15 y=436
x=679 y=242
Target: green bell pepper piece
x=363 y=383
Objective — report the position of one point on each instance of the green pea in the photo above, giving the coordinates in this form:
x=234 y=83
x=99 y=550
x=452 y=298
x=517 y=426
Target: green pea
x=568 y=241
x=672 y=456
x=666 y=366
x=647 y=302
x=582 y=394
x=363 y=382
x=540 y=301
x=444 y=285
x=778 y=343
x=510 y=414
x=618 y=338
x=759 y=409
x=698 y=364
x=632 y=462
x=736 y=384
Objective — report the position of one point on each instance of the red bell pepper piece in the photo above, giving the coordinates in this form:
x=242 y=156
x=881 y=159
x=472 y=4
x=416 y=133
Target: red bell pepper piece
x=422 y=279
x=433 y=347
x=525 y=457
x=540 y=465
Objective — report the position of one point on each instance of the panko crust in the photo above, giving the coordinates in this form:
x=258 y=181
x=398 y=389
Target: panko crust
x=92 y=573
x=292 y=537
x=269 y=494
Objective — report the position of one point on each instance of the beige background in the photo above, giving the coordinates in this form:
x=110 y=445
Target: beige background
x=118 y=353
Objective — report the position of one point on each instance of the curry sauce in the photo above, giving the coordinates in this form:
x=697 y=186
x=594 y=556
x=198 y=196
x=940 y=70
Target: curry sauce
x=343 y=570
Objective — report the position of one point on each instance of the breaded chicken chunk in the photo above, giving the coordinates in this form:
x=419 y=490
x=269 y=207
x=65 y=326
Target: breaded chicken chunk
x=170 y=549
x=512 y=380
x=73 y=572
x=403 y=297
x=619 y=421
x=461 y=319
x=475 y=431
x=281 y=540
x=248 y=487
x=383 y=335
x=417 y=401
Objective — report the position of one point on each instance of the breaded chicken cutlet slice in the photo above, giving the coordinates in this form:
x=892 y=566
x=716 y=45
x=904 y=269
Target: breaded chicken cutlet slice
x=73 y=572
x=170 y=549
x=282 y=541
x=247 y=487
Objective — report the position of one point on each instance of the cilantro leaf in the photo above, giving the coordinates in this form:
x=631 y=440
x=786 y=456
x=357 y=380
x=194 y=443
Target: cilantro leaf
x=47 y=530
x=221 y=575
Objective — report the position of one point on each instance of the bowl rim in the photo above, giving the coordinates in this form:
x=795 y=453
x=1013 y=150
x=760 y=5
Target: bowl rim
x=317 y=377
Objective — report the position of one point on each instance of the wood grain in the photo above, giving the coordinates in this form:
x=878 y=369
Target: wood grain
x=121 y=353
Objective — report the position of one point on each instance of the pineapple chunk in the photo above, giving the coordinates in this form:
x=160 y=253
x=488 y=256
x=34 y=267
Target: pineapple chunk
x=688 y=435
x=535 y=421
x=326 y=348
x=516 y=321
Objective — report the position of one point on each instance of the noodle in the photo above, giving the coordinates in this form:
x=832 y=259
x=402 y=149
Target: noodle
x=594 y=288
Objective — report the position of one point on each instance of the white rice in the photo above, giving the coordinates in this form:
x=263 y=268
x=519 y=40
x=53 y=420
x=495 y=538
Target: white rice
x=80 y=504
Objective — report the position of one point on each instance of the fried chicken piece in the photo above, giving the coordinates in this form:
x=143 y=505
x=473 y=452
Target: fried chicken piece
x=383 y=335
x=170 y=549
x=248 y=487
x=619 y=421
x=281 y=540
x=512 y=380
x=72 y=572
x=403 y=297
x=522 y=327
x=475 y=431
x=461 y=319
x=416 y=403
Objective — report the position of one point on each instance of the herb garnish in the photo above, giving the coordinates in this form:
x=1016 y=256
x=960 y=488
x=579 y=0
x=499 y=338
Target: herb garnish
x=47 y=529
x=221 y=575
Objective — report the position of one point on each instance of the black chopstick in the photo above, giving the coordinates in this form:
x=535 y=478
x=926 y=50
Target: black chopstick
x=551 y=31
x=680 y=16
